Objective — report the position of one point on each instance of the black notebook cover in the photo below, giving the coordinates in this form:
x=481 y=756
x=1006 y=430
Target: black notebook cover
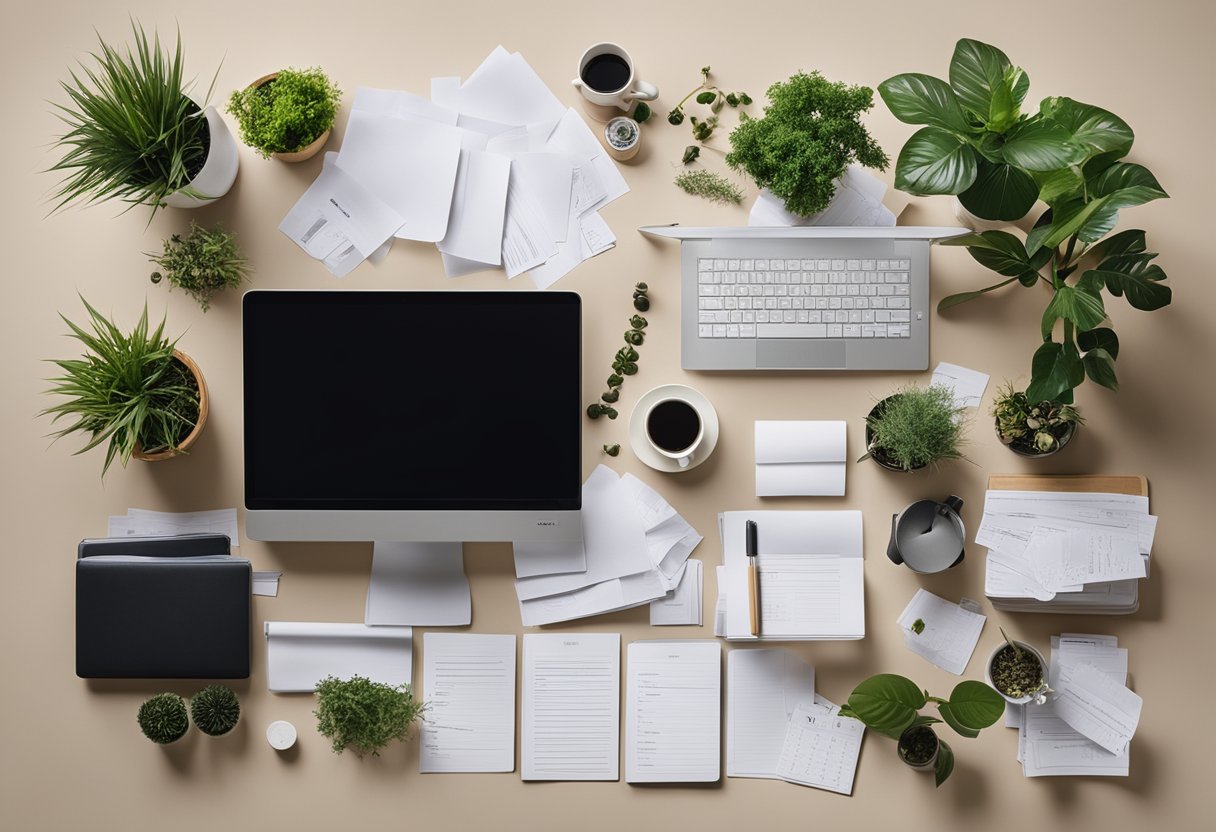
x=158 y=615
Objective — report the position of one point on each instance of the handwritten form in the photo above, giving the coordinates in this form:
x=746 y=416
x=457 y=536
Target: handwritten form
x=468 y=682
x=571 y=706
x=821 y=748
x=763 y=688
x=673 y=712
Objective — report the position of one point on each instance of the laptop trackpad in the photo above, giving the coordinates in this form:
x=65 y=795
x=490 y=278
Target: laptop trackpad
x=801 y=353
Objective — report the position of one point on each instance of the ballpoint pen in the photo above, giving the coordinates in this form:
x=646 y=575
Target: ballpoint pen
x=753 y=577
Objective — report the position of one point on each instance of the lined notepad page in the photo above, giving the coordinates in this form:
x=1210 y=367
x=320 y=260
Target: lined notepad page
x=673 y=712
x=763 y=687
x=468 y=683
x=571 y=706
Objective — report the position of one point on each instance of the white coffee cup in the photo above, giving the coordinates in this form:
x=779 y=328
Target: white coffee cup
x=669 y=430
x=632 y=89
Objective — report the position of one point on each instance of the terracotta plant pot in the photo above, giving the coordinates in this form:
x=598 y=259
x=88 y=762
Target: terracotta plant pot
x=303 y=153
x=191 y=437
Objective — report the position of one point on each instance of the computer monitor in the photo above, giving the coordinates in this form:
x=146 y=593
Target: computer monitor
x=424 y=416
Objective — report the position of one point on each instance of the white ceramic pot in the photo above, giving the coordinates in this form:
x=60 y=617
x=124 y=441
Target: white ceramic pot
x=219 y=171
x=1039 y=695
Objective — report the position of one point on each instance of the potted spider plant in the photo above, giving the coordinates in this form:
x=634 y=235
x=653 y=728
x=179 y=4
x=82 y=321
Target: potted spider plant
x=914 y=427
x=287 y=115
x=1033 y=429
x=135 y=392
x=135 y=133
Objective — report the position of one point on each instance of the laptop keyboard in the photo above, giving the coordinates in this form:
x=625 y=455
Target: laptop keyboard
x=833 y=298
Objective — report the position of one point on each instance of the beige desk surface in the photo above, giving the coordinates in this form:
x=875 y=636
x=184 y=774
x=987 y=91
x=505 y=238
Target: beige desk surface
x=73 y=756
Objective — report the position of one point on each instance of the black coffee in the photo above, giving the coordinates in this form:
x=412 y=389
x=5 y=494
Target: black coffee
x=606 y=73
x=673 y=425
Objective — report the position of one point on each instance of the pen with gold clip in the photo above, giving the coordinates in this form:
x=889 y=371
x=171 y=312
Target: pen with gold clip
x=753 y=576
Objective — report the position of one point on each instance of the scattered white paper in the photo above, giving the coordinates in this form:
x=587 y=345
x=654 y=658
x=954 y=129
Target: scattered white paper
x=266 y=583
x=420 y=584
x=1097 y=706
x=526 y=242
x=821 y=749
x=299 y=654
x=763 y=688
x=479 y=207
x=968 y=385
x=950 y=632
x=572 y=135
x=682 y=605
x=669 y=537
x=504 y=88
x=858 y=201
x=800 y=458
x=571 y=706
x=607 y=596
x=399 y=104
x=468 y=683
x=1067 y=559
x=673 y=712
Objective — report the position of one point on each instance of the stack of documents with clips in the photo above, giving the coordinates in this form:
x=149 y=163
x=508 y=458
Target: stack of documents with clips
x=1065 y=552
x=494 y=170
x=811 y=582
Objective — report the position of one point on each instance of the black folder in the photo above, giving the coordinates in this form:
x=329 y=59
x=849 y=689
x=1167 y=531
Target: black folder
x=162 y=608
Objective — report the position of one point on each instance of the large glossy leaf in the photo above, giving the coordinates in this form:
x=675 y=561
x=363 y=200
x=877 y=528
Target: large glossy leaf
x=1084 y=308
x=887 y=703
x=1059 y=185
x=951 y=301
x=1067 y=219
x=1038 y=144
x=944 y=765
x=1054 y=373
x=998 y=250
x=1130 y=241
x=975 y=704
x=960 y=728
x=1103 y=338
x=1100 y=367
x=935 y=161
x=1000 y=192
x=1137 y=278
x=922 y=99
x=1094 y=130
x=976 y=69
x=1121 y=185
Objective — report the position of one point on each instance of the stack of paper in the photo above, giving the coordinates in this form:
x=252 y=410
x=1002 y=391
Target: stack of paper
x=1086 y=726
x=1065 y=552
x=301 y=653
x=796 y=458
x=495 y=171
x=633 y=552
x=858 y=201
x=140 y=522
x=810 y=565
x=942 y=633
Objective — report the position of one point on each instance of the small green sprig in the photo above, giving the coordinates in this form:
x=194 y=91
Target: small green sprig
x=641 y=112
x=918 y=626
x=625 y=362
x=204 y=262
x=709 y=185
x=612 y=450
x=711 y=95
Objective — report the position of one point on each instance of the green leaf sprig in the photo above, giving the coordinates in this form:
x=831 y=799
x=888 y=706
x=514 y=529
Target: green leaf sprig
x=612 y=450
x=709 y=185
x=711 y=95
x=363 y=715
x=204 y=262
x=625 y=362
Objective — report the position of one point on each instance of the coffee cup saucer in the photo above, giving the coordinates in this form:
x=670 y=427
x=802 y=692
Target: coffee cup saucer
x=641 y=446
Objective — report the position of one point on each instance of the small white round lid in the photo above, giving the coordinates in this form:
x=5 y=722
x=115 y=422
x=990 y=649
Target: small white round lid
x=281 y=735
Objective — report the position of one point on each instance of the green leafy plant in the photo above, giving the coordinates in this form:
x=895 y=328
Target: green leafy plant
x=127 y=390
x=215 y=710
x=711 y=96
x=624 y=363
x=641 y=112
x=163 y=719
x=889 y=704
x=363 y=715
x=709 y=185
x=132 y=132
x=1032 y=428
x=287 y=113
x=915 y=427
x=809 y=134
x=979 y=145
x=203 y=263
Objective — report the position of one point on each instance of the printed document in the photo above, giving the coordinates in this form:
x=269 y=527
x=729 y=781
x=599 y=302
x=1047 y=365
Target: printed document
x=821 y=749
x=950 y=631
x=1097 y=706
x=141 y=522
x=682 y=605
x=673 y=712
x=571 y=706
x=968 y=385
x=763 y=688
x=468 y=683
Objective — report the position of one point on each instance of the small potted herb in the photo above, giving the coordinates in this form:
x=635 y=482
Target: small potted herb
x=215 y=710
x=363 y=715
x=134 y=132
x=914 y=427
x=287 y=115
x=1018 y=672
x=1033 y=429
x=163 y=718
x=889 y=704
x=204 y=262
x=134 y=391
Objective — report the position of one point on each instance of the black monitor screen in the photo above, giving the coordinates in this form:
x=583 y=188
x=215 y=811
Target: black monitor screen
x=412 y=400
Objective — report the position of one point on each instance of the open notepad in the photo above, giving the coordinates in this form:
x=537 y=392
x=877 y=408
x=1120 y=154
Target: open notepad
x=811 y=583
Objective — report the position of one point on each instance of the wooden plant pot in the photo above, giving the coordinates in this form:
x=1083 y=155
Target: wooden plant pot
x=303 y=153
x=191 y=437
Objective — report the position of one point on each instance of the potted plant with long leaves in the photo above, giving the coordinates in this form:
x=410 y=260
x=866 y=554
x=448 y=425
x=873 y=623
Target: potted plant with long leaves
x=978 y=144
x=135 y=392
x=134 y=133
x=889 y=704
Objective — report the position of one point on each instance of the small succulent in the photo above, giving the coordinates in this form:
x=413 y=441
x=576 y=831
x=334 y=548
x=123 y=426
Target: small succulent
x=215 y=710
x=163 y=718
x=625 y=362
x=612 y=450
x=1032 y=427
